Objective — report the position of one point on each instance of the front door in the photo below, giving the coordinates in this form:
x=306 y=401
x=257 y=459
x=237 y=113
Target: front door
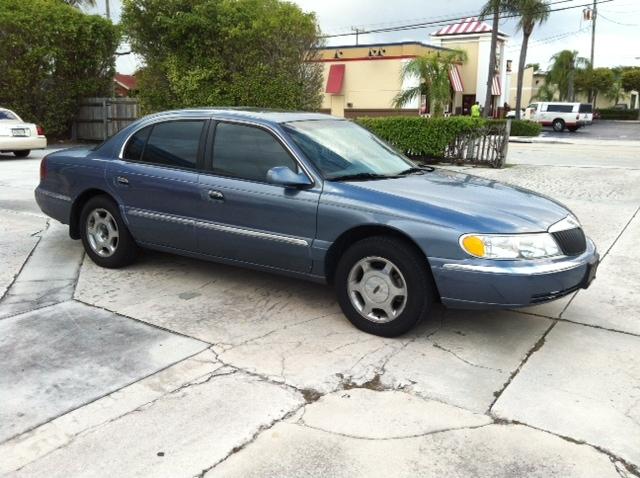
x=156 y=182
x=245 y=218
x=467 y=102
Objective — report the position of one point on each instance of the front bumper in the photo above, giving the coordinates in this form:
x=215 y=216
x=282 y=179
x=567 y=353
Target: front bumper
x=22 y=143
x=478 y=283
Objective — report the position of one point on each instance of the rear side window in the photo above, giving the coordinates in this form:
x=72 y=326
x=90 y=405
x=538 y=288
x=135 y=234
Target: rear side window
x=586 y=108
x=173 y=143
x=560 y=108
x=135 y=146
x=246 y=152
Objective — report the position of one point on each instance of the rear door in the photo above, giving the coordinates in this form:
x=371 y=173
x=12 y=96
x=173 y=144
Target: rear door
x=245 y=218
x=156 y=181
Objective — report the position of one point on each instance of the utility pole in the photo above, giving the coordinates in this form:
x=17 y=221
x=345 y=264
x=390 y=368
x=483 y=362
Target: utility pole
x=594 y=15
x=355 y=29
x=108 y=9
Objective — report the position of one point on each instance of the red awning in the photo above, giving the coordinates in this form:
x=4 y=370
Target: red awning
x=496 y=87
x=336 y=77
x=456 y=79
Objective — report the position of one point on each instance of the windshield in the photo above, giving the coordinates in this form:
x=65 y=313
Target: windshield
x=341 y=149
x=7 y=115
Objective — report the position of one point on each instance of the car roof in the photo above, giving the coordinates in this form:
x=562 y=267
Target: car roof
x=268 y=115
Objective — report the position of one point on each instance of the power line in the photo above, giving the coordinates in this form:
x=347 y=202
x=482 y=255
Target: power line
x=617 y=22
x=416 y=26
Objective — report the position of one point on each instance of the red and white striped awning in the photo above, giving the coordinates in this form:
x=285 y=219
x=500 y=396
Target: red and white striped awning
x=496 y=86
x=468 y=25
x=456 y=79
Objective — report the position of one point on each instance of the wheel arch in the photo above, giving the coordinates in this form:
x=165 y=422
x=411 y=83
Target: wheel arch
x=78 y=204
x=357 y=233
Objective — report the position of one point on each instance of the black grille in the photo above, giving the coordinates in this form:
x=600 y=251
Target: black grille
x=572 y=241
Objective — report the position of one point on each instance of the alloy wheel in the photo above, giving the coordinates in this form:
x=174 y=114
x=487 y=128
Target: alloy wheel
x=102 y=232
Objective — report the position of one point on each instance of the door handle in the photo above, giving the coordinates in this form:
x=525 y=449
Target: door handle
x=216 y=196
x=122 y=180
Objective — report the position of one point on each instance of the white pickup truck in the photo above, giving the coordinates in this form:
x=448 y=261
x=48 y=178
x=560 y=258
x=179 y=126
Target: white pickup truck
x=571 y=116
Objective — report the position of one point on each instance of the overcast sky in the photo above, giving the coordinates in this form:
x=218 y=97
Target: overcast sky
x=617 y=36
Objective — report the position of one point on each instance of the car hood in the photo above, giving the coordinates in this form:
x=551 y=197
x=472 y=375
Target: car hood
x=463 y=200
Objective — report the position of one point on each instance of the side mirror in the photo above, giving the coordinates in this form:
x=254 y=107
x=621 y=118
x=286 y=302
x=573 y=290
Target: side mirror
x=283 y=176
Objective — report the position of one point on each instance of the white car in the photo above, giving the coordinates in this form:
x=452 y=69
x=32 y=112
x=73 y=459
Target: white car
x=18 y=137
x=558 y=115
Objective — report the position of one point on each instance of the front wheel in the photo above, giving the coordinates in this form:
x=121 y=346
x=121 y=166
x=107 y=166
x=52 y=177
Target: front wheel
x=104 y=234
x=558 y=125
x=384 y=286
x=22 y=154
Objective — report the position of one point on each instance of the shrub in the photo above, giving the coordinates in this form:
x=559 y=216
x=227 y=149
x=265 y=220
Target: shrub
x=224 y=53
x=51 y=56
x=429 y=137
x=525 y=128
x=617 y=114
x=416 y=136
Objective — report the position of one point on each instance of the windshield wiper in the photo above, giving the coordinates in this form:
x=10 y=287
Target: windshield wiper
x=361 y=177
x=416 y=170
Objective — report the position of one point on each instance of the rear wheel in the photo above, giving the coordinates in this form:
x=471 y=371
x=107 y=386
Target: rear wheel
x=384 y=286
x=22 y=154
x=558 y=125
x=104 y=234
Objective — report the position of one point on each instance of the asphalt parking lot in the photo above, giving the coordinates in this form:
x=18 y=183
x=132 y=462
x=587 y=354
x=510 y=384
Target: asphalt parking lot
x=600 y=130
x=179 y=368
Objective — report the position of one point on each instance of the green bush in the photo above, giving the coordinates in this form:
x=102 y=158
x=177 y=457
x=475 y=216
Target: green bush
x=51 y=56
x=429 y=137
x=525 y=128
x=224 y=53
x=416 y=136
x=618 y=114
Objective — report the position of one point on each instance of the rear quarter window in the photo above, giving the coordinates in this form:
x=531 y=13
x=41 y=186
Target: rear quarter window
x=560 y=108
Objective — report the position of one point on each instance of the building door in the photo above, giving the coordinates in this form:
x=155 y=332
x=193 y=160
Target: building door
x=467 y=102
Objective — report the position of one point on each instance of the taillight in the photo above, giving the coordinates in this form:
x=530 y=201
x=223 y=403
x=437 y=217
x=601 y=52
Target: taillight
x=43 y=169
x=39 y=130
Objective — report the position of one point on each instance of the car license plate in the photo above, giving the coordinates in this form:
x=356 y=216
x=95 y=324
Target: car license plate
x=19 y=132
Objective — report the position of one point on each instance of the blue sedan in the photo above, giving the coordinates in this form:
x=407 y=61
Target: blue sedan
x=320 y=198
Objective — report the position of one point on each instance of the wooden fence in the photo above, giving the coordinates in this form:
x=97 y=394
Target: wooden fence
x=487 y=145
x=99 y=118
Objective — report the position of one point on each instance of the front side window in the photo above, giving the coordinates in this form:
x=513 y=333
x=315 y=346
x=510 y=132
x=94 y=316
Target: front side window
x=340 y=148
x=247 y=152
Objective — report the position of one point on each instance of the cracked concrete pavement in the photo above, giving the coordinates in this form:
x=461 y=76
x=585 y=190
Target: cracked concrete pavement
x=175 y=367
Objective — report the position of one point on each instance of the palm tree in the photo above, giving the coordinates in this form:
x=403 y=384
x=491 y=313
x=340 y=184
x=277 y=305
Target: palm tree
x=80 y=3
x=562 y=72
x=492 y=7
x=547 y=92
x=433 y=73
x=532 y=13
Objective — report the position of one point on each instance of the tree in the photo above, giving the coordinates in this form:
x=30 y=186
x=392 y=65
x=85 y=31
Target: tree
x=80 y=3
x=562 y=72
x=594 y=81
x=52 y=56
x=531 y=13
x=535 y=66
x=547 y=92
x=432 y=70
x=224 y=53
x=630 y=81
x=492 y=8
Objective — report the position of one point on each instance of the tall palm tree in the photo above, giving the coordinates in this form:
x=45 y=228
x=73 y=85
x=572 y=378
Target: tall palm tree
x=562 y=72
x=547 y=92
x=532 y=13
x=80 y=3
x=492 y=8
x=432 y=70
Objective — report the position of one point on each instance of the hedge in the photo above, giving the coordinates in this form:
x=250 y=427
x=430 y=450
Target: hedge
x=51 y=56
x=429 y=137
x=618 y=114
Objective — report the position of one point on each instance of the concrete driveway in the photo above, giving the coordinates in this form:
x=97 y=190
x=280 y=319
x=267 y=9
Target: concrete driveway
x=179 y=368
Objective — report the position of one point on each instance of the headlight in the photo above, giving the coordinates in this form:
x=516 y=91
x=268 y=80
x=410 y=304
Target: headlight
x=513 y=246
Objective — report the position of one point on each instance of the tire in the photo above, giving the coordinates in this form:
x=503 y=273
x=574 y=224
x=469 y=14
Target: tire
x=22 y=154
x=558 y=125
x=411 y=272
x=111 y=244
